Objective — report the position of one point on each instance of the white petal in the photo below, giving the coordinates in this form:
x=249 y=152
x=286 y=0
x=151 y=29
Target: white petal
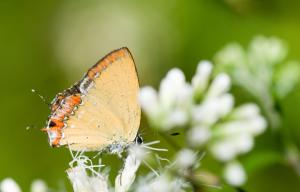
x=223 y=150
x=39 y=186
x=286 y=78
x=235 y=174
x=266 y=51
x=230 y=128
x=246 y=111
x=198 y=136
x=143 y=188
x=243 y=143
x=257 y=125
x=220 y=85
x=138 y=152
x=170 y=86
x=161 y=184
x=125 y=179
x=226 y=103
x=176 y=118
x=98 y=183
x=206 y=113
x=82 y=182
x=254 y=126
x=79 y=179
x=175 y=75
x=204 y=68
x=185 y=95
x=148 y=100
x=185 y=158
x=201 y=78
x=231 y=56
x=212 y=109
x=9 y=185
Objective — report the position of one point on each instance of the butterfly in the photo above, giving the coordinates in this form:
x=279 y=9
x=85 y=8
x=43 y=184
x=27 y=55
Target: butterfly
x=101 y=111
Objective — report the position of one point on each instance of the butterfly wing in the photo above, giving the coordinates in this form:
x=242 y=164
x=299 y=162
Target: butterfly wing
x=109 y=112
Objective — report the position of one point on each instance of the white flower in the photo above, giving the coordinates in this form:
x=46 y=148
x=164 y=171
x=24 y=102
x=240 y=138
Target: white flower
x=261 y=71
x=220 y=85
x=257 y=125
x=223 y=150
x=286 y=78
x=185 y=158
x=212 y=109
x=149 y=101
x=232 y=56
x=201 y=79
x=245 y=111
x=173 y=89
x=9 y=185
x=82 y=182
x=228 y=148
x=38 y=185
x=225 y=103
x=162 y=183
x=167 y=108
x=250 y=116
x=138 y=151
x=175 y=118
x=126 y=177
x=198 y=135
x=252 y=127
x=207 y=108
x=235 y=174
x=243 y=143
x=266 y=51
x=236 y=134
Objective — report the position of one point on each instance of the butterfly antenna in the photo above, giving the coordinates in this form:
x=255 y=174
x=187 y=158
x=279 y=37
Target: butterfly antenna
x=40 y=96
x=28 y=127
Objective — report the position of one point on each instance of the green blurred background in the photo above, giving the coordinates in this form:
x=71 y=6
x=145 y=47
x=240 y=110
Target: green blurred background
x=48 y=45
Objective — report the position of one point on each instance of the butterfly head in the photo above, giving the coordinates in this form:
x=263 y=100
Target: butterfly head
x=138 y=139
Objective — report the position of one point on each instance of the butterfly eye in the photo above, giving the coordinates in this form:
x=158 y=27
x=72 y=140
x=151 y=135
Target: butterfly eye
x=139 y=139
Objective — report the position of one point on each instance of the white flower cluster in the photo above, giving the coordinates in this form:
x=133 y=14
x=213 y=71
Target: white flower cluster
x=172 y=177
x=235 y=135
x=261 y=70
x=206 y=108
x=80 y=178
x=167 y=108
x=9 y=185
x=85 y=178
x=81 y=181
x=162 y=183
